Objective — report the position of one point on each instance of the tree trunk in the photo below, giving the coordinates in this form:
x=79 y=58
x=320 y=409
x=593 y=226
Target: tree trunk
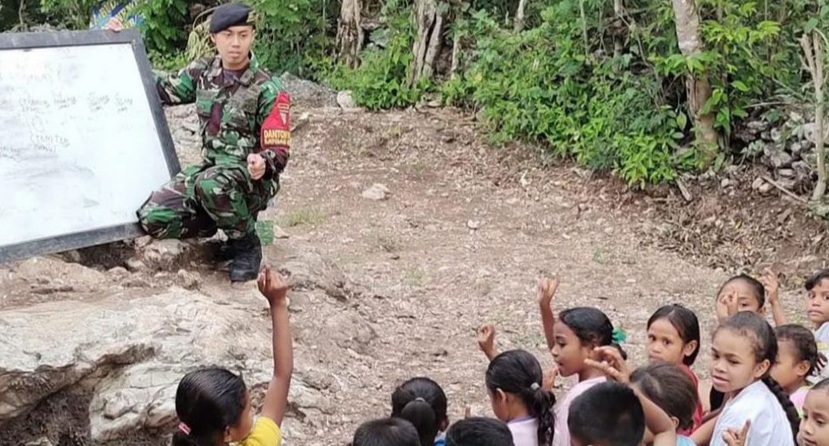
x=618 y=12
x=350 y=33
x=430 y=20
x=456 y=52
x=519 y=15
x=814 y=56
x=696 y=84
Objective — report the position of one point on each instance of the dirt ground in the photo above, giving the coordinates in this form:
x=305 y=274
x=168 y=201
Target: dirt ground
x=466 y=231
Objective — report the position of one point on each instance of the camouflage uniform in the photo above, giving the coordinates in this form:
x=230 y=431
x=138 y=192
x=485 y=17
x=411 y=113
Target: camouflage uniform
x=238 y=115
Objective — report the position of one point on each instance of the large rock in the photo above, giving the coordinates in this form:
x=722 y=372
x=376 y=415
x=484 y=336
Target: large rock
x=130 y=354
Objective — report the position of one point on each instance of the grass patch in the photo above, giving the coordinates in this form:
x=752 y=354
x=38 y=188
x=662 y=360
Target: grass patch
x=303 y=217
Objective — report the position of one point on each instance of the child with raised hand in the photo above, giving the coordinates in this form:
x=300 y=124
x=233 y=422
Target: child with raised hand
x=422 y=402
x=213 y=405
x=817 y=307
x=477 y=431
x=797 y=360
x=386 y=432
x=616 y=413
x=673 y=337
x=514 y=381
x=743 y=350
x=572 y=338
x=814 y=427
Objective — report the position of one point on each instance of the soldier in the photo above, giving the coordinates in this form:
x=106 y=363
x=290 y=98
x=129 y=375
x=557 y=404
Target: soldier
x=245 y=126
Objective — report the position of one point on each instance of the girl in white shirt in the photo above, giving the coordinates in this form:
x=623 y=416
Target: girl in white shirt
x=514 y=381
x=743 y=350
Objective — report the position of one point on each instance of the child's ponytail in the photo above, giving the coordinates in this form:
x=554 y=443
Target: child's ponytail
x=420 y=414
x=519 y=373
x=786 y=403
x=422 y=402
x=542 y=408
x=182 y=439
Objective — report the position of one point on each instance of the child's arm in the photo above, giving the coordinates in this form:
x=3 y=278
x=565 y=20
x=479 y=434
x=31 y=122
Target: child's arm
x=702 y=436
x=486 y=341
x=657 y=421
x=544 y=292
x=772 y=286
x=275 y=289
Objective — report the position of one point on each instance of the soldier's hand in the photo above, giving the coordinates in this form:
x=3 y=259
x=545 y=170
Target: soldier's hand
x=256 y=166
x=114 y=24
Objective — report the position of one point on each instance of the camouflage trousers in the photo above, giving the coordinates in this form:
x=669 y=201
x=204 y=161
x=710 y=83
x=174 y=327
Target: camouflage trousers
x=202 y=199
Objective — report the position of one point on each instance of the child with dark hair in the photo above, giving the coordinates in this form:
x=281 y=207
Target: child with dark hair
x=817 y=307
x=514 y=380
x=673 y=337
x=478 y=431
x=744 y=348
x=745 y=293
x=386 y=432
x=572 y=339
x=797 y=360
x=422 y=402
x=814 y=427
x=214 y=406
x=670 y=388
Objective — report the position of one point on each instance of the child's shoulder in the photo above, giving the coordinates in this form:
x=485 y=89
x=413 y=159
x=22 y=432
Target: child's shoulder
x=265 y=432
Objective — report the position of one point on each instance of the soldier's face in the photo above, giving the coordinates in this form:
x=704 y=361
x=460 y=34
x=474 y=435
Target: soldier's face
x=234 y=45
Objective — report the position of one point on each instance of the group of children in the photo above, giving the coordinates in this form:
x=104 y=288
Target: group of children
x=767 y=386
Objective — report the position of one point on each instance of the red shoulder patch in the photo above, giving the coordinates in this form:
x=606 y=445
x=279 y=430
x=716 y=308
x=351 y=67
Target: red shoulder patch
x=276 y=129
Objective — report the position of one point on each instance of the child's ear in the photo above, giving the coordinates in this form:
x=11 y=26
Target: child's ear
x=762 y=310
x=802 y=368
x=761 y=368
x=500 y=395
x=690 y=348
x=676 y=422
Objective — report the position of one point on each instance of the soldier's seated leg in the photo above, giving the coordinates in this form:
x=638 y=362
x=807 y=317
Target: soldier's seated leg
x=173 y=212
x=222 y=191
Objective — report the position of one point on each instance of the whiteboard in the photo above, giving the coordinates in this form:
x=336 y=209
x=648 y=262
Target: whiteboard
x=83 y=140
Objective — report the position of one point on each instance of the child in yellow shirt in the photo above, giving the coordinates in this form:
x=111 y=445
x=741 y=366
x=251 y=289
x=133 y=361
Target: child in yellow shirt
x=214 y=404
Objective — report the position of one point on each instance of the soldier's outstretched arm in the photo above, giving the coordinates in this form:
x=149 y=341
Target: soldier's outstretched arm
x=178 y=88
x=274 y=124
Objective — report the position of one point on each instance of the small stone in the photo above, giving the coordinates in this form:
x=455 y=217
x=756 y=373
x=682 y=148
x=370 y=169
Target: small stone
x=135 y=265
x=118 y=272
x=473 y=225
x=787 y=173
x=346 y=101
x=280 y=233
x=376 y=192
x=776 y=156
x=44 y=441
x=725 y=183
x=776 y=135
x=765 y=188
x=796 y=148
x=758 y=183
x=758 y=126
x=188 y=280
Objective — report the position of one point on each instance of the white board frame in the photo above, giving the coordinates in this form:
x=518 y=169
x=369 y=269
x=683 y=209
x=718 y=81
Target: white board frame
x=66 y=242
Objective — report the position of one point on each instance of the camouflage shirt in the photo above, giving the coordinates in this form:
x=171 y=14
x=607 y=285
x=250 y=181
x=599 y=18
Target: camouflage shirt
x=239 y=113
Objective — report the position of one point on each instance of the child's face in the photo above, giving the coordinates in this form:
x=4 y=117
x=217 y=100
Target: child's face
x=569 y=352
x=242 y=429
x=665 y=344
x=733 y=366
x=742 y=293
x=818 y=303
x=789 y=371
x=814 y=425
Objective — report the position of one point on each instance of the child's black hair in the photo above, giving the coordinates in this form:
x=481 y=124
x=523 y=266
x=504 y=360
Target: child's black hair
x=422 y=402
x=804 y=344
x=519 y=373
x=607 y=414
x=764 y=346
x=756 y=286
x=208 y=401
x=479 y=431
x=686 y=324
x=670 y=388
x=386 y=432
x=591 y=326
x=816 y=278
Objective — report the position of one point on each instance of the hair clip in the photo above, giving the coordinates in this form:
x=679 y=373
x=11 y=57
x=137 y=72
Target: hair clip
x=184 y=428
x=619 y=336
x=535 y=386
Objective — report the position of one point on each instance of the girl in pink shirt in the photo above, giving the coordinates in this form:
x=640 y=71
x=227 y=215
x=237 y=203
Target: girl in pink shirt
x=572 y=338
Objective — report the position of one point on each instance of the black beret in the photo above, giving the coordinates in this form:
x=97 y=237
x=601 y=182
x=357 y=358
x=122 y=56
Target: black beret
x=230 y=14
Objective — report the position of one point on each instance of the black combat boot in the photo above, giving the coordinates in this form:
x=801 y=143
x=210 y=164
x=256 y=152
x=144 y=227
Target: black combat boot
x=247 y=258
